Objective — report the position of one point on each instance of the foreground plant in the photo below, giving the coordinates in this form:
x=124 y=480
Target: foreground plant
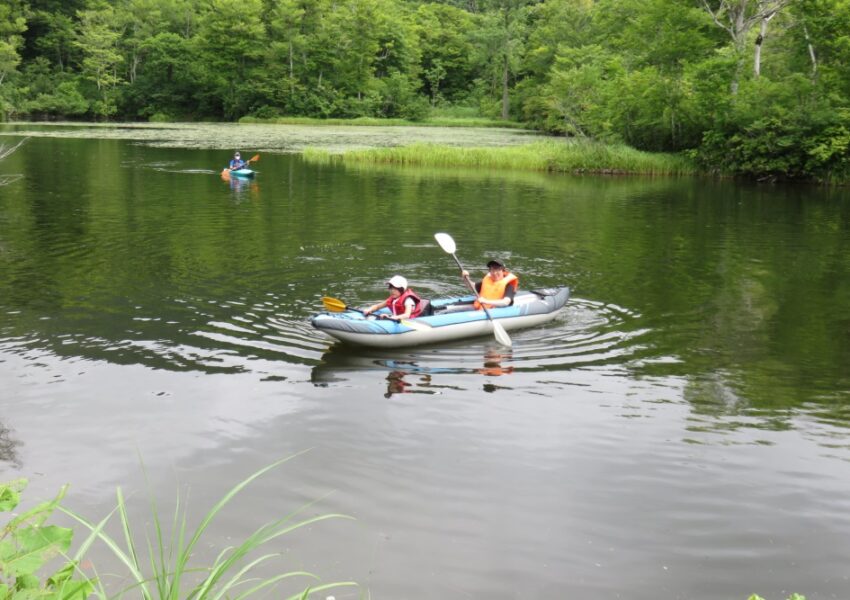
x=27 y=545
x=168 y=574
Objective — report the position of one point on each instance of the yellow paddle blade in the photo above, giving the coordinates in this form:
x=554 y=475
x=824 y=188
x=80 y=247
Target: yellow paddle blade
x=416 y=325
x=254 y=158
x=333 y=304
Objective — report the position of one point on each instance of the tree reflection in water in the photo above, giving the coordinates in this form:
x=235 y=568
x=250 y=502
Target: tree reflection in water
x=9 y=447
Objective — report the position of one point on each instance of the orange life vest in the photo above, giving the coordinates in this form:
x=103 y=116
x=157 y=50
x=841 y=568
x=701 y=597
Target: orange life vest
x=495 y=290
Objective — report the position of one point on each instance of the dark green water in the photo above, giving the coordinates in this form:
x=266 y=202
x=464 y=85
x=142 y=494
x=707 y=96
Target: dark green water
x=680 y=431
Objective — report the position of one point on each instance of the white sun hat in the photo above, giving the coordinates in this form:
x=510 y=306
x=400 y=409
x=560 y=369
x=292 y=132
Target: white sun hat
x=398 y=281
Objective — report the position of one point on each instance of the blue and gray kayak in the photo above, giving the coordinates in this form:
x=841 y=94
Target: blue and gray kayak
x=447 y=319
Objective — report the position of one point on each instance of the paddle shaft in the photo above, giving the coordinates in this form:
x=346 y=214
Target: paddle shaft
x=337 y=305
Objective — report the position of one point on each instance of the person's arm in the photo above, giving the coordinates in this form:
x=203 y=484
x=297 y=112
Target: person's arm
x=510 y=292
x=468 y=281
x=375 y=307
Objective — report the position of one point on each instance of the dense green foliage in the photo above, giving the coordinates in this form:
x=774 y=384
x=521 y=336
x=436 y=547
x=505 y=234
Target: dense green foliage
x=27 y=546
x=749 y=87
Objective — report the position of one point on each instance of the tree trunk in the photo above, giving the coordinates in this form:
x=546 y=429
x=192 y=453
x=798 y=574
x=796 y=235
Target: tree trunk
x=134 y=64
x=291 y=62
x=505 y=98
x=737 y=17
x=759 y=40
x=812 y=54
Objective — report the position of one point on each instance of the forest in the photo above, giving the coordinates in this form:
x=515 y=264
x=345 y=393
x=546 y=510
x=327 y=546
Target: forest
x=756 y=88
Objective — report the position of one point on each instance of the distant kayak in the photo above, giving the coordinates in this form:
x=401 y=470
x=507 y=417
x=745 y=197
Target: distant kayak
x=244 y=173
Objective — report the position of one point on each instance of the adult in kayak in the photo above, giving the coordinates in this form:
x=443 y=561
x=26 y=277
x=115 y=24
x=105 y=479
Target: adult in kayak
x=497 y=288
x=237 y=163
x=403 y=302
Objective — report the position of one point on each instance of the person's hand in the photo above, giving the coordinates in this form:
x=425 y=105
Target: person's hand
x=464 y=274
x=367 y=312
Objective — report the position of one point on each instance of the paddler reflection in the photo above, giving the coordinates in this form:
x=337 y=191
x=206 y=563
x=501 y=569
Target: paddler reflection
x=396 y=384
x=493 y=364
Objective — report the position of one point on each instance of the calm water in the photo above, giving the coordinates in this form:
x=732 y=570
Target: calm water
x=680 y=431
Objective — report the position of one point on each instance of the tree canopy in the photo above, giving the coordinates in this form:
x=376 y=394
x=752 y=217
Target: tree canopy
x=755 y=87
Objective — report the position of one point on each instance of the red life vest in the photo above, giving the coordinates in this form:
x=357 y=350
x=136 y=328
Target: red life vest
x=396 y=305
x=495 y=290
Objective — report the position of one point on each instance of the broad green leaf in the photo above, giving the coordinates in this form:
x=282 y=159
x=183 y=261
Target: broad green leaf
x=39 y=514
x=35 y=546
x=10 y=494
x=29 y=594
x=27 y=581
x=75 y=589
x=62 y=575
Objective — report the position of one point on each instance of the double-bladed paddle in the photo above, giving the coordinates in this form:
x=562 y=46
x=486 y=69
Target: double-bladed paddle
x=448 y=244
x=337 y=305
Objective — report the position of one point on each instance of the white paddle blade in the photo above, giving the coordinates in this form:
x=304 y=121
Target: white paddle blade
x=446 y=242
x=501 y=335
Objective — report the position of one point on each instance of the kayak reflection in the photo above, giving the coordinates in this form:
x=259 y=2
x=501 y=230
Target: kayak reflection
x=425 y=372
x=240 y=184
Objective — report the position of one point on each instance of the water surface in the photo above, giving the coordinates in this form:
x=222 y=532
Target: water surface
x=679 y=431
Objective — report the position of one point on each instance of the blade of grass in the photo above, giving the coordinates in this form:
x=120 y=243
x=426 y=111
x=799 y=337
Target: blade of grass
x=128 y=536
x=321 y=588
x=272 y=581
x=116 y=550
x=221 y=503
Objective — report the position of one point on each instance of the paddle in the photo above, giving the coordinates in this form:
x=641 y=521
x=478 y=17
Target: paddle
x=448 y=244
x=337 y=305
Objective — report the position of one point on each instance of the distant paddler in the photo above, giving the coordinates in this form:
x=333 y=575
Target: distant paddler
x=239 y=167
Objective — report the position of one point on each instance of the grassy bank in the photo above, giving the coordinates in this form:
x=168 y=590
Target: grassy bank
x=556 y=156
x=437 y=121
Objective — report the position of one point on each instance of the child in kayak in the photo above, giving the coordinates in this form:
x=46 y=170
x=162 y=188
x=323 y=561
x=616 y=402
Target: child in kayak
x=497 y=288
x=403 y=302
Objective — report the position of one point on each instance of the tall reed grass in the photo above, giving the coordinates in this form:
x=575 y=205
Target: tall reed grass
x=556 y=156
x=160 y=569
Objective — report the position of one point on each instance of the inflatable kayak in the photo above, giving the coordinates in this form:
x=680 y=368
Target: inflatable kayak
x=445 y=319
